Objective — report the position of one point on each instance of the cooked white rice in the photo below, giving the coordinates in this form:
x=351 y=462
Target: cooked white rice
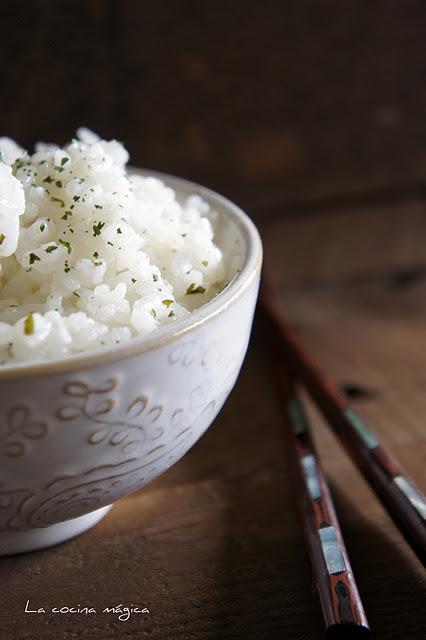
x=91 y=256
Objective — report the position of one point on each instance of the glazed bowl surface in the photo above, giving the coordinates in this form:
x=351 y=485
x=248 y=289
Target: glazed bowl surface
x=79 y=433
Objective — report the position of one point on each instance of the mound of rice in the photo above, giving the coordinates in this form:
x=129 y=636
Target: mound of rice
x=91 y=256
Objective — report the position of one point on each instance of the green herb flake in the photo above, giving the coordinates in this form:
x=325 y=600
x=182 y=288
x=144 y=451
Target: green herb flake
x=205 y=263
x=58 y=183
x=153 y=313
x=42 y=227
x=67 y=268
x=193 y=289
x=48 y=179
x=61 y=202
x=66 y=215
x=155 y=277
x=33 y=257
x=29 y=325
x=76 y=198
x=119 y=230
x=98 y=206
x=171 y=314
x=95 y=254
x=134 y=280
x=64 y=161
x=97 y=263
x=167 y=303
x=65 y=244
x=74 y=293
x=97 y=228
x=50 y=248
x=2 y=238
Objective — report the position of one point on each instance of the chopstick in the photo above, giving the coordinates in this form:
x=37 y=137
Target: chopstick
x=396 y=490
x=341 y=604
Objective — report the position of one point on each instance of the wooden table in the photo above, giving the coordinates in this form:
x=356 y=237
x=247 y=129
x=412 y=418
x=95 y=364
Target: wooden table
x=214 y=548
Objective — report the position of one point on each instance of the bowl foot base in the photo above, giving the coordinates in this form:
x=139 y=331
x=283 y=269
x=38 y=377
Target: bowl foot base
x=22 y=541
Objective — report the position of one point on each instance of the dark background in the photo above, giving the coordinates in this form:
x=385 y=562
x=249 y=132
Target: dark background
x=280 y=105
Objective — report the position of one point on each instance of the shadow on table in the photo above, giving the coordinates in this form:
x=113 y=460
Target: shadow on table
x=12 y=566
x=264 y=586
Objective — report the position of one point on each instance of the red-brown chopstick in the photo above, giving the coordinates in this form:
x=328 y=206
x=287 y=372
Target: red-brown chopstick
x=398 y=493
x=341 y=604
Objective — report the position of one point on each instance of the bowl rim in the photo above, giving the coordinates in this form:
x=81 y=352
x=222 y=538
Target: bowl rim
x=163 y=335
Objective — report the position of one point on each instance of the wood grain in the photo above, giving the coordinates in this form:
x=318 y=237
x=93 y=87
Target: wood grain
x=271 y=104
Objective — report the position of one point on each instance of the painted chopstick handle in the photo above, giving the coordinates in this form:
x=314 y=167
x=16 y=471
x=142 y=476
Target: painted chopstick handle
x=397 y=491
x=338 y=593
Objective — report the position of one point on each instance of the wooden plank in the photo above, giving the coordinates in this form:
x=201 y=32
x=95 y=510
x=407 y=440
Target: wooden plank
x=269 y=106
x=346 y=247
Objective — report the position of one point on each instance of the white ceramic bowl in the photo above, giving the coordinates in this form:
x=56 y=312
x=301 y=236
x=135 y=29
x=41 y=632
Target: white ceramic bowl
x=79 y=433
